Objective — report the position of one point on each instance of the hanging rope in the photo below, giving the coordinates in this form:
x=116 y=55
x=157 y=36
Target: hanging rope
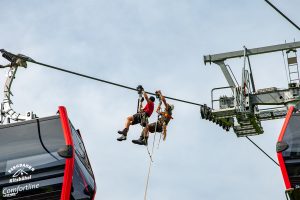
x=147 y=183
x=139 y=109
x=159 y=141
x=151 y=156
x=236 y=82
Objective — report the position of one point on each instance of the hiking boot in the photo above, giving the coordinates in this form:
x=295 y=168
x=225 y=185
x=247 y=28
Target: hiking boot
x=141 y=141
x=124 y=132
x=123 y=137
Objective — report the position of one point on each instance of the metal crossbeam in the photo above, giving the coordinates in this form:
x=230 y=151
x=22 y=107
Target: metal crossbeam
x=236 y=54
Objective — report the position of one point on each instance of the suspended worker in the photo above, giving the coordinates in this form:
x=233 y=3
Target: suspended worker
x=162 y=121
x=142 y=113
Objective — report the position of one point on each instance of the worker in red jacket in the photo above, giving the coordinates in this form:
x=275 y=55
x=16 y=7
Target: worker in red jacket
x=162 y=122
x=140 y=117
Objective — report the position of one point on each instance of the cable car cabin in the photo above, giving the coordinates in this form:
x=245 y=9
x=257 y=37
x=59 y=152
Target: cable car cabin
x=44 y=158
x=288 y=153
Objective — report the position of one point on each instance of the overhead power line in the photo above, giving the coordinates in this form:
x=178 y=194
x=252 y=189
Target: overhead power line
x=283 y=15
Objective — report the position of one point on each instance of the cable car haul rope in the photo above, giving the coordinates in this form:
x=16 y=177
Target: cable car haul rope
x=28 y=59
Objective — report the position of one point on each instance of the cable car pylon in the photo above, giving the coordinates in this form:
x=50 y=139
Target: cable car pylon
x=240 y=110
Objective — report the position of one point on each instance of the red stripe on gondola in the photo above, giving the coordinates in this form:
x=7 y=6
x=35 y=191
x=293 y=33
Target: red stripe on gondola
x=279 y=155
x=284 y=171
x=286 y=122
x=67 y=181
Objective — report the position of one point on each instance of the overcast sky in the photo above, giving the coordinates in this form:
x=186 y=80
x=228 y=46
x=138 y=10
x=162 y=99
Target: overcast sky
x=159 y=44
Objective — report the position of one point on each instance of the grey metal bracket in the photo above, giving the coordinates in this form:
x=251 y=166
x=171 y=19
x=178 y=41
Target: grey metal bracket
x=226 y=74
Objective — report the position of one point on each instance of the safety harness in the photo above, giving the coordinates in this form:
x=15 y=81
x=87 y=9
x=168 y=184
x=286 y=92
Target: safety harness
x=166 y=115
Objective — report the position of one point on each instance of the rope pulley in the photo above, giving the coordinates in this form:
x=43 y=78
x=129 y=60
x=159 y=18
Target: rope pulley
x=16 y=60
x=157 y=95
x=141 y=99
x=206 y=113
x=140 y=89
x=144 y=118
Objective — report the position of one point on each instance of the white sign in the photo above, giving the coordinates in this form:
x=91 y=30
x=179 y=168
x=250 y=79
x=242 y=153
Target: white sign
x=13 y=191
x=20 y=172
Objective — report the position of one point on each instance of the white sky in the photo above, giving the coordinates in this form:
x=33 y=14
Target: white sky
x=159 y=44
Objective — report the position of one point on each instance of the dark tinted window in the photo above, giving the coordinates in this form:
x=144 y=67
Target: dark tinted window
x=80 y=150
x=292 y=138
x=83 y=181
x=30 y=165
x=292 y=154
x=83 y=184
x=29 y=139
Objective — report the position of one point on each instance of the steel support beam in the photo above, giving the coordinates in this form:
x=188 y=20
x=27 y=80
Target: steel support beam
x=274 y=96
x=227 y=75
x=236 y=54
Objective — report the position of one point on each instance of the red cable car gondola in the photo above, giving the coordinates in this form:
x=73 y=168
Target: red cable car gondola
x=288 y=153
x=44 y=158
